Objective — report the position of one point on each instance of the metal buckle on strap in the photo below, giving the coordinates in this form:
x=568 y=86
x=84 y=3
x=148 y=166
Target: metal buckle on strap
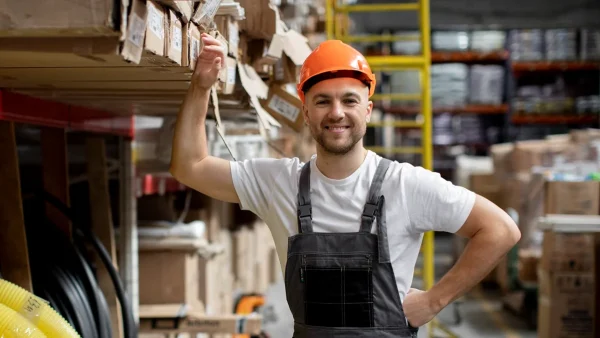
x=304 y=211
x=370 y=209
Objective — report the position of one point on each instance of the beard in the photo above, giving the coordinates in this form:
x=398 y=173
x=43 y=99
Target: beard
x=337 y=146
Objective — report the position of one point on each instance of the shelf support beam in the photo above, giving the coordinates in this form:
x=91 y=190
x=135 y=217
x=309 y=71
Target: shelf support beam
x=14 y=255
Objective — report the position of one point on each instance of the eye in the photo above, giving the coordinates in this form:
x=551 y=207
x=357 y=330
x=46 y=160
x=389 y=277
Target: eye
x=350 y=101
x=322 y=102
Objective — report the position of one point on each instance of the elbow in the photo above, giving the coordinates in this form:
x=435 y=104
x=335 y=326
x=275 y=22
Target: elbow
x=512 y=234
x=177 y=171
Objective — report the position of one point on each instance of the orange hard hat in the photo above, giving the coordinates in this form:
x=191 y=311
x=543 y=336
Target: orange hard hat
x=333 y=58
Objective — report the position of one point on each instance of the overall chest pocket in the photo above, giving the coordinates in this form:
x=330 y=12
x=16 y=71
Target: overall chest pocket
x=338 y=290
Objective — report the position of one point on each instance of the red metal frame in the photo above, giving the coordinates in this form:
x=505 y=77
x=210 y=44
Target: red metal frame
x=22 y=108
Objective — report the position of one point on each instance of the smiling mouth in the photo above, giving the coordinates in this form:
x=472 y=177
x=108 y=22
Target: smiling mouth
x=336 y=129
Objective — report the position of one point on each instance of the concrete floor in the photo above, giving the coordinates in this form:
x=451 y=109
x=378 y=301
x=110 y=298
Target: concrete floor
x=481 y=312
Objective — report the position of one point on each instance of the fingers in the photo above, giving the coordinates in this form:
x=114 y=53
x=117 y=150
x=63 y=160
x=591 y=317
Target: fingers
x=209 y=40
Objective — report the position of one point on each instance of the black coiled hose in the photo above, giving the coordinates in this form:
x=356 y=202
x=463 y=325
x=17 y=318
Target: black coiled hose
x=63 y=276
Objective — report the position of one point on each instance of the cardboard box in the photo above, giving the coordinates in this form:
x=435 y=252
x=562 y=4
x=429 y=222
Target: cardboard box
x=575 y=198
x=169 y=277
x=193 y=45
x=261 y=19
x=155 y=29
x=227 y=78
x=229 y=28
x=284 y=107
x=567 y=277
x=184 y=8
x=567 y=306
x=61 y=18
x=133 y=46
x=174 y=43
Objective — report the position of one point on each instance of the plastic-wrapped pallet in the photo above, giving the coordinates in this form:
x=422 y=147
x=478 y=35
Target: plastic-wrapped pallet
x=590 y=44
x=407 y=47
x=405 y=82
x=469 y=129
x=486 y=84
x=442 y=129
x=486 y=41
x=561 y=44
x=526 y=44
x=450 y=40
x=449 y=87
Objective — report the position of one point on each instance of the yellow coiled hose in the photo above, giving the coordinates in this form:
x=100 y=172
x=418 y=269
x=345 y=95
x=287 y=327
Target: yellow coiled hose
x=14 y=325
x=39 y=313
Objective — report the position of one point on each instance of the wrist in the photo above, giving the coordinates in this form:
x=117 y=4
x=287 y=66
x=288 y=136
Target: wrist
x=437 y=301
x=199 y=89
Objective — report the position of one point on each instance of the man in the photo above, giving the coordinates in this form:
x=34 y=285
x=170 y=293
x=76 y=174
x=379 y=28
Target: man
x=348 y=225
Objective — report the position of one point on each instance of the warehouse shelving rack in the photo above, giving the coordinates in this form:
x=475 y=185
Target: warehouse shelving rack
x=337 y=23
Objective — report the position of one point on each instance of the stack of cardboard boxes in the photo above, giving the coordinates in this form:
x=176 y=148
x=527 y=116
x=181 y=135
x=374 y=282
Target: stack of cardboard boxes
x=543 y=177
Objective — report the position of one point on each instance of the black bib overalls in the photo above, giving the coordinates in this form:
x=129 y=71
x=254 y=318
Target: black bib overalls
x=342 y=284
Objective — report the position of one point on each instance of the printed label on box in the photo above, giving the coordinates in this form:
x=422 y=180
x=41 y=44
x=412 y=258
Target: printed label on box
x=284 y=108
x=231 y=75
x=136 y=30
x=155 y=22
x=234 y=35
x=177 y=38
x=195 y=49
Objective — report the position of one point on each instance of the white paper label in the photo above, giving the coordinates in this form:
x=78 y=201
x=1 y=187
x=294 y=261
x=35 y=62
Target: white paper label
x=284 y=108
x=210 y=8
x=136 y=30
x=177 y=38
x=155 y=22
x=234 y=35
x=231 y=75
x=195 y=50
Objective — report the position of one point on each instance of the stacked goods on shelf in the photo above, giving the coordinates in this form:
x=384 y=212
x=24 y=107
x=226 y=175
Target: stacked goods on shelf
x=560 y=44
x=569 y=95
x=198 y=261
x=449 y=85
x=526 y=44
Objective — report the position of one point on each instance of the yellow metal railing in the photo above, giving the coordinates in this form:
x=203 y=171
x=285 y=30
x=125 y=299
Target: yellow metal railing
x=337 y=23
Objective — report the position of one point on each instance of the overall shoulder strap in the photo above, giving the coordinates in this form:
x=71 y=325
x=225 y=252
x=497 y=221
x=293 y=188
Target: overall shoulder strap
x=375 y=208
x=304 y=206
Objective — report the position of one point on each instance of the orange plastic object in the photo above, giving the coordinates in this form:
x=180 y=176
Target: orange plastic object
x=333 y=56
x=246 y=306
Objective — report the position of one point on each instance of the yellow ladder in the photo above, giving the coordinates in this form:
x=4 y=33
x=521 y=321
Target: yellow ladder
x=337 y=22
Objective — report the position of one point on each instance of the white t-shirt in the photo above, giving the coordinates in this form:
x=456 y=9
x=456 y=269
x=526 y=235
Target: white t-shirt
x=416 y=200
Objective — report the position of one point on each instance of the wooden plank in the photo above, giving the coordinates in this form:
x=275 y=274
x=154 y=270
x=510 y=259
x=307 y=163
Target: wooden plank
x=102 y=223
x=56 y=174
x=14 y=256
x=120 y=85
x=50 y=75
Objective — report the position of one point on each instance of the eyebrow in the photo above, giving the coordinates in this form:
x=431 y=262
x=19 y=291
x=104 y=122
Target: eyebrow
x=346 y=95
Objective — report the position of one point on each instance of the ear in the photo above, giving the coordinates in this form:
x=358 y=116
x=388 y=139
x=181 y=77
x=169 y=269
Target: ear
x=305 y=113
x=369 y=111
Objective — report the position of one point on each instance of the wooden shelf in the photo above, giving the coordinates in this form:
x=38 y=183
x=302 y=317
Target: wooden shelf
x=468 y=109
x=469 y=56
x=553 y=119
x=533 y=66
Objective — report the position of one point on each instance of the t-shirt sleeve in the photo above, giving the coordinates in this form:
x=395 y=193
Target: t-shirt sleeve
x=253 y=180
x=434 y=203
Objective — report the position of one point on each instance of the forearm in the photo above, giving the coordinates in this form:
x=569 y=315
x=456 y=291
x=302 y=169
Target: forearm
x=189 y=141
x=482 y=253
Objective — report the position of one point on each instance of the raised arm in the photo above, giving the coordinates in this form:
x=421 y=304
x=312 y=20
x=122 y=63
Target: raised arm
x=190 y=162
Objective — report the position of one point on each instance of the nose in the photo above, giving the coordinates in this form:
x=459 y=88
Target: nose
x=337 y=110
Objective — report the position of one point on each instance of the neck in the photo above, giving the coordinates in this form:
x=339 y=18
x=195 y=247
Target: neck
x=338 y=167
